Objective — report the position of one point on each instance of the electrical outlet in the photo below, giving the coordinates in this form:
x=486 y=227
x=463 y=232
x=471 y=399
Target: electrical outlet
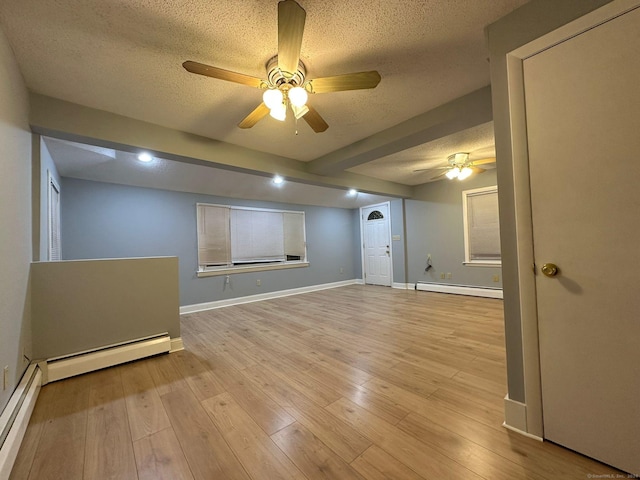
x=442 y=276
x=258 y=282
x=449 y=275
x=227 y=280
x=496 y=278
x=5 y=377
x=341 y=269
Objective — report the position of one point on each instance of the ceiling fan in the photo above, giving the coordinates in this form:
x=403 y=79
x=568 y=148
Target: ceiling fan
x=459 y=166
x=286 y=84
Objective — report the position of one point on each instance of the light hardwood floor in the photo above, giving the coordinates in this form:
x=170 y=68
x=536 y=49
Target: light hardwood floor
x=358 y=382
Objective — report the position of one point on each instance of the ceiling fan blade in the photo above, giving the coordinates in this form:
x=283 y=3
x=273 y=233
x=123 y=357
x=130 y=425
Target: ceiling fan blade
x=291 y=18
x=484 y=161
x=349 y=81
x=477 y=169
x=255 y=116
x=214 y=72
x=438 y=176
x=315 y=121
x=431 y=168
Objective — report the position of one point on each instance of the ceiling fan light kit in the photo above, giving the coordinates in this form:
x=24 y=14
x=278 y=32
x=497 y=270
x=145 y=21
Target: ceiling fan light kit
x=286 y=84
x=460 y=167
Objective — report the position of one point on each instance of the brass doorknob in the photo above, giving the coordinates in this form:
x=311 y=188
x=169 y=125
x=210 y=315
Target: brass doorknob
x=550 y=269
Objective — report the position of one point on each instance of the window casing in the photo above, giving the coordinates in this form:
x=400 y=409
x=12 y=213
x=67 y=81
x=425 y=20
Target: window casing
x=481 y=226
x=240 y=238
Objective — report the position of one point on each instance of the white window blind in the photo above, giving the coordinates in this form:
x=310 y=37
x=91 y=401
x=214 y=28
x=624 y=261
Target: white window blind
x=213 y=235
x=482 y=227
x=236 y=237
x=294 y=241
x=256 y=236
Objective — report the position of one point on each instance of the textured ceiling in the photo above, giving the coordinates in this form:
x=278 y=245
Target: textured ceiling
x=477 y=141
x=125 y=56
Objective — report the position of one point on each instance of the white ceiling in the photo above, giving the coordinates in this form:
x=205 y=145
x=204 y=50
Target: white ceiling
x=125 y=56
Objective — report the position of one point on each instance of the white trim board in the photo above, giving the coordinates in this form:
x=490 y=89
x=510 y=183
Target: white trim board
x=176 y=345
x=460 y=290
x=401 y=286
x=18 y=410
x=199 y=307
x=515 y=418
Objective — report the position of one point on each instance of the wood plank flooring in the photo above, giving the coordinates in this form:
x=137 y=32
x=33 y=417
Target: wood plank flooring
x=358 y=382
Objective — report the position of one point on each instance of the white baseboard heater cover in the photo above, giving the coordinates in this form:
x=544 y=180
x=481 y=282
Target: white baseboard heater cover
x=15 y=418
x=460 y=289
x=77 y=364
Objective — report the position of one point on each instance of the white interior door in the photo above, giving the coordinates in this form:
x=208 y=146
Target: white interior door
x=583 y=127
x=377 y=245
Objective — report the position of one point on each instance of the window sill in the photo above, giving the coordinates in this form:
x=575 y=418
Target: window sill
x=252 y=268
x=482 y=264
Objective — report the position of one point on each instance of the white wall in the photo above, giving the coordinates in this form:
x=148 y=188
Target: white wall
x=15 y=219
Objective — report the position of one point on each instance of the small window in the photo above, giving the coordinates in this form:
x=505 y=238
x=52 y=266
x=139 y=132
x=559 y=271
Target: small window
x=481 y=226
x=375 y=215
x=247 y=238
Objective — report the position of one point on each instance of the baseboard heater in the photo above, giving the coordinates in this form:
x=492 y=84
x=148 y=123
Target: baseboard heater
x=486 y=292
x=15 y=418
x=96 y=359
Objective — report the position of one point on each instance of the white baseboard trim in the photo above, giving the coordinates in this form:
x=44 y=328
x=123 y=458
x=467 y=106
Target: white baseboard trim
x=359 y=281
x=460 y=290
x=523 y=433
x=15 y=418
x=69 y=366
x=199 y=307
x=176 y=345
x=515 y=418
x=402 y=286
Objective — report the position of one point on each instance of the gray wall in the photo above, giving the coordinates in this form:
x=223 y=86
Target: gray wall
x=15 y=225
x=101 y=220
x=357 y=243
x=398 y=246
x=525 y=24
x=435 y=226
x=82 y=305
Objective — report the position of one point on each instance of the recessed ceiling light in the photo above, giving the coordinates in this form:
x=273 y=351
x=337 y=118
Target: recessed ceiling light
x=145 y=157
x=353 y=192
x=278 y=180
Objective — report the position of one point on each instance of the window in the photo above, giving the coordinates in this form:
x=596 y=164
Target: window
x=248 y=239
x=481 y=226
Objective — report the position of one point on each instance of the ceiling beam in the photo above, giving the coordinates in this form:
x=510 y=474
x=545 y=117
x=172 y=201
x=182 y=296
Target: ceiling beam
x=69 y=121
x=459 y=114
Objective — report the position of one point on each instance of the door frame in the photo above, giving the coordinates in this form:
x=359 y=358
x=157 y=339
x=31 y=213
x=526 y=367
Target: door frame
x=530 y=421
x=53 y=184
x=362 y=252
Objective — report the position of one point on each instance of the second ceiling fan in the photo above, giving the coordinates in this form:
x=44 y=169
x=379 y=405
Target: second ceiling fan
x=459 y=166
x=286 y=86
